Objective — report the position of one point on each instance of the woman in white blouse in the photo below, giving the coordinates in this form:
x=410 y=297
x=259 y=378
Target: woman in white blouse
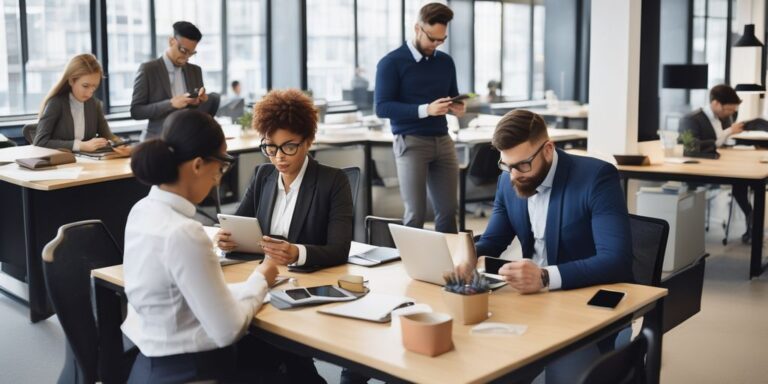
x=71 y=118
x=182 y=316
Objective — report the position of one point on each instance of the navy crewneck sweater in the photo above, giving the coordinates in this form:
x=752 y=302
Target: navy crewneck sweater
x=402 y=85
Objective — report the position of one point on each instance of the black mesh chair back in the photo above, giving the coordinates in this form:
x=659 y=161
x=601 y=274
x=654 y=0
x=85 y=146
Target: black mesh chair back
x=29 y=131
x=67 y=263
x=626 y=365
x=377 y=231
x=649 y=242
x=483 y=168
x=353 y=173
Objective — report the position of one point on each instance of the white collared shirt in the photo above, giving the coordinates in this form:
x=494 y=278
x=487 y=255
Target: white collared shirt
x=418 y=56
x=538 y=207
x=178 y=301
x=721 y=134
x=176 y=77
x=285 y=204
x=78 y=119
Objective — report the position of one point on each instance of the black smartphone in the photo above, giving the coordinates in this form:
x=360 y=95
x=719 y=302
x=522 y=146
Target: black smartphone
x=122 y=143
x=458 y=98
x=193 y=93
x=606 y=299
x=492 y=264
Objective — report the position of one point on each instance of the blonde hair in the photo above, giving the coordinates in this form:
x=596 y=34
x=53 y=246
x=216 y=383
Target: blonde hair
x=79 y=66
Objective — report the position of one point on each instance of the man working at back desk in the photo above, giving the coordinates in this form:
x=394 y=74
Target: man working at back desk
x=567 y=211
x=170 y=82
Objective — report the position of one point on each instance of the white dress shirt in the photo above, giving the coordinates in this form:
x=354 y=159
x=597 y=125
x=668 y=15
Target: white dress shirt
x=538 y=207
x=176 y=77
x=285 y=204
x=722 y=134
x=178 y=301
x=78 y=119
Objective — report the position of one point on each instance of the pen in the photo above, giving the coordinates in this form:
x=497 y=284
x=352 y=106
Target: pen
x=366 y=258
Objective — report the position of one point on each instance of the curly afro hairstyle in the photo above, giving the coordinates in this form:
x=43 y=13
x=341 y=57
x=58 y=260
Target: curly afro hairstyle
x=288 y=109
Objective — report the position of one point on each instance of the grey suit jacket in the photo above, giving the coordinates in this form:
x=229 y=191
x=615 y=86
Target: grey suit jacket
x=322 y=220
x=56 y=128
x=152 y=92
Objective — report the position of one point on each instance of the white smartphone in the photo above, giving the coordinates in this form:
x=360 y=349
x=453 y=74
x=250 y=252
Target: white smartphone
x=246 y=232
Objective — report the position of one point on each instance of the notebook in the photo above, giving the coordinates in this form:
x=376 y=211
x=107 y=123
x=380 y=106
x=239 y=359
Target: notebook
x=375 y=307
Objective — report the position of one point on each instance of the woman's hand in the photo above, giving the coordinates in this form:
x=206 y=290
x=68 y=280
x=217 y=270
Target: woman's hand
x=93 y=144
x=223 y=240
x=268 y=268
x=281 y=251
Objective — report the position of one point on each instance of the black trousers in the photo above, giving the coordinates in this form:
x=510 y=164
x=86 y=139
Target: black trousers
x=248 y=361
x=741 y=195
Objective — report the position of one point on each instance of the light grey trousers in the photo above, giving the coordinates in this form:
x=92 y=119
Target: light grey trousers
x=428 y=164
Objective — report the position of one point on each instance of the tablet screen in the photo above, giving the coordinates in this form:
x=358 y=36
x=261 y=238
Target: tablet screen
x=325 y=290
x=297 y=294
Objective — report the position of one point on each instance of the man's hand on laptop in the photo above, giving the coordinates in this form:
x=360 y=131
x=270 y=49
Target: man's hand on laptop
x=522 y=275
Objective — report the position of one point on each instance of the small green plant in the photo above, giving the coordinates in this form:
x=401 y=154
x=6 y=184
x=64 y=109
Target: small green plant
x=466 y=285
x=688 y=140
x=245 y=121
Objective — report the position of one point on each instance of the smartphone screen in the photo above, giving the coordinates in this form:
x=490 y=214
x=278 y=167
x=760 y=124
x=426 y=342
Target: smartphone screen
x=325 y=290
x=297 y=294
x=606 y=299
x=492 y=265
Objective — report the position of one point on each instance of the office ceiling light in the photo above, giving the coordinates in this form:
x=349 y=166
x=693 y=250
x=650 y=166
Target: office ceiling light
x=748 y=39
x=750 y=88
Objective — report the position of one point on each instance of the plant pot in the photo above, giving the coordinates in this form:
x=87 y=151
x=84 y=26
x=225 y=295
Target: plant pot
x=427 y=333
x=467 y=309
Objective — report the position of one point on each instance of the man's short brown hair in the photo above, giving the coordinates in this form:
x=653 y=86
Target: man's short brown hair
x=517 y=127
x=288 y=109
x=435 y=13
x=724 y=95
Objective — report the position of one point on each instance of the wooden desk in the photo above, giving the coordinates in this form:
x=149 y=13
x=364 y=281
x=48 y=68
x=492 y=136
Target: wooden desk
x=735 y=166
x=33 y=211
x=558 y=322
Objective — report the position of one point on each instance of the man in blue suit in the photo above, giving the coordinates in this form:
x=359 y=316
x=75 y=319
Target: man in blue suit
x=568 y=212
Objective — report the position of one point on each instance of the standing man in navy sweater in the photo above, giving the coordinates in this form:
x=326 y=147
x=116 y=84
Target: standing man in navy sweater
x=414 y=85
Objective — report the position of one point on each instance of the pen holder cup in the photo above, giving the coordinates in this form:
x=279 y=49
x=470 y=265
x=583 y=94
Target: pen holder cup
x=467 y=309
x=427 y=333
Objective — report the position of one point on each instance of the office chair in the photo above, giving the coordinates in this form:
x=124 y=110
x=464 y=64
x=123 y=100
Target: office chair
x=353 y=174
x=377 y=231
x=649 y=243
x=626 y=365
x=225 y=192
x=29 y=131
x=67 y=263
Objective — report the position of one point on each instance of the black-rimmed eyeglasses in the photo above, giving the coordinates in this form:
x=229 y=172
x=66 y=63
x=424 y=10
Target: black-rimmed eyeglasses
x=226 y=162
x=521 y=166
x=288 y=149
x=432 y=39
x=184 y=51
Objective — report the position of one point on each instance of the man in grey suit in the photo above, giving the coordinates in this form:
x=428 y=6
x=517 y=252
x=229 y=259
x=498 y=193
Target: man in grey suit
x=170 y=82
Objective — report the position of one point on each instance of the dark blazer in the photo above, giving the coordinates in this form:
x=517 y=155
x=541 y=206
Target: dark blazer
x=152 y=92
x=56 y=127
x=698 y=123
x=587 y=229
x=322 y=220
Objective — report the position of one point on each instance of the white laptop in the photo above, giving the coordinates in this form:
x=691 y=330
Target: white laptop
x=426 y=256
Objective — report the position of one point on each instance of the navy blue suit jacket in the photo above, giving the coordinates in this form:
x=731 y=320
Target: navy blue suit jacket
x=587 y=229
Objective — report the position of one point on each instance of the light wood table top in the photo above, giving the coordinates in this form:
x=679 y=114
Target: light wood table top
x=94 y=171
x=554 y=319
x=733 y=163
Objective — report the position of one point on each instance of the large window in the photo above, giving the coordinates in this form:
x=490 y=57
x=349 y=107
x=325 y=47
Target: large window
x=710 y=29
x=129 y=44
x=330 y=47
x=11 y=79
x=509 y=46
x=488 y=39
x=379 y=32
x=206 y=15
x=246 y=46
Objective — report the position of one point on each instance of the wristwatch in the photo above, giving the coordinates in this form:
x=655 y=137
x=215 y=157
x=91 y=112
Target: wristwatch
x=545 y=278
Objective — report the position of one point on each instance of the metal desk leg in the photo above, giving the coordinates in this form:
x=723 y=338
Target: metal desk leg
x=368 y=178
x=462 y=198
x=758 y=220
x=654 y=321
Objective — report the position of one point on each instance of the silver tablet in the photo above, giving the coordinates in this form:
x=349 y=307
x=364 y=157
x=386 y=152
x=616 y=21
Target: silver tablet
x=245 y=231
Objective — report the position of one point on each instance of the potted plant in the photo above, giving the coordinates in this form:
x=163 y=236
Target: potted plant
x=467 y=297
x=245 y=121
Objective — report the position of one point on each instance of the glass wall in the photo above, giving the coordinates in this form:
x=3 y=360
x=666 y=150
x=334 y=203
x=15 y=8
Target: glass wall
x=129 y=40
x=378 y=33
x=246 y=46
x=330 y=47
x=11 y=79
